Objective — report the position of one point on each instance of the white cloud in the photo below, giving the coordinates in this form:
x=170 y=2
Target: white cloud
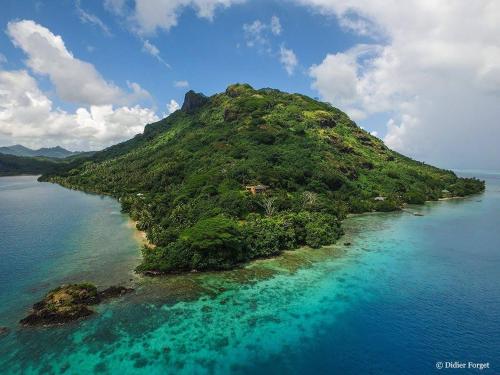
x=254 y=34
x=153 y=51
x=435 y=68
x=172 y=106
x=288 y=59
x=276 y=28
x=75 y=80
x=338 y=79
x=151 y=48
x=92 y=19
x=138 y=93
x=258 y=34
x=3 y=59
x=151 y=15
x=181 y=84
x=27 y=116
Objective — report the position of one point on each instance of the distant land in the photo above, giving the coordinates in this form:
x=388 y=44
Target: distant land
x=49 y=152
x=20 y=160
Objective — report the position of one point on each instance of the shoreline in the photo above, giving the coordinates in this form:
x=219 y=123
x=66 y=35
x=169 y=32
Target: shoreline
x=139 y=235
x=339 y=244
x=450 y=198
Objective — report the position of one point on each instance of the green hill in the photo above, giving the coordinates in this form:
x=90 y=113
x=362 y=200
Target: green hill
x=11 y=165
x=186 y=179
x=48 y=152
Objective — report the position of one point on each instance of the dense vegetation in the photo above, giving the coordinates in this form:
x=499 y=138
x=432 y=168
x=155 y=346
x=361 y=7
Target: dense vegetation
x=184 y=179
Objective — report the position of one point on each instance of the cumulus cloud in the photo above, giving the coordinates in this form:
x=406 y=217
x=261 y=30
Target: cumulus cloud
x=338 y=79
x=172 y=106
x=151 y=15
x=435 y=68
x=288 y=59
x=27 y=116
x=75 y=80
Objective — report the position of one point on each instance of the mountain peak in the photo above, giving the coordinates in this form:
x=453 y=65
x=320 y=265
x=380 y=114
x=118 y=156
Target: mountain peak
x=193 y=101
x=238 y=89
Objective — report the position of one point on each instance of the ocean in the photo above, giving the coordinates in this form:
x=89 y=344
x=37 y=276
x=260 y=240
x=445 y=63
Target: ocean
x=410 y=294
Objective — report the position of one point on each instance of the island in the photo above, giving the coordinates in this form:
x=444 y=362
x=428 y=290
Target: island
x=248 y=173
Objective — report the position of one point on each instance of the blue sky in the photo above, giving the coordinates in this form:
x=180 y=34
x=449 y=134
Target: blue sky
x=138 y=56
x=210 y=55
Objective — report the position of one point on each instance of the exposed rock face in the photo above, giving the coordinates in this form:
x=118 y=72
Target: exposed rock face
x=47 y=316
x=327 y=122
x=68 y=303
x=193 y=101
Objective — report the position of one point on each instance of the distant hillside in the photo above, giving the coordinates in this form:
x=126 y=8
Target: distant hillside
x=50 y=152
x=11 y=165
x=248 y=173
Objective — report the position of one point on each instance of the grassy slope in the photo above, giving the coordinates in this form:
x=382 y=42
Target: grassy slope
x=192 y=167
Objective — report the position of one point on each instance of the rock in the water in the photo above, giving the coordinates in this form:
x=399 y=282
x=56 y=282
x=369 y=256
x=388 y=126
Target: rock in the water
x=68 y=303
x=4 y=331
x=63 y=304
x=347 y=244
x=114 y=291
x=48 y=316
x=153 y=273
x=193 y=101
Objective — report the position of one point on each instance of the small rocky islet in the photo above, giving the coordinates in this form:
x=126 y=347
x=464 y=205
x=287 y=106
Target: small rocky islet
x=68 y=303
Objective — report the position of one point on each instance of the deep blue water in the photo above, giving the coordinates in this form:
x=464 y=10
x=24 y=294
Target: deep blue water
x=410 y=291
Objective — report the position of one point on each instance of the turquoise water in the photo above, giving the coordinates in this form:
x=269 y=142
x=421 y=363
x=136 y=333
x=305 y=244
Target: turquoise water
x=409 y=291
x=50 y=235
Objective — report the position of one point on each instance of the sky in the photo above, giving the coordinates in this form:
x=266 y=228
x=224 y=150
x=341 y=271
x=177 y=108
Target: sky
x=422 y=75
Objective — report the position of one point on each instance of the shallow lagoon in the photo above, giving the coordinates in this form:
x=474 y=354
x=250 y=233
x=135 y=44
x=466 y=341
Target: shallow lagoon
x=409 y=291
